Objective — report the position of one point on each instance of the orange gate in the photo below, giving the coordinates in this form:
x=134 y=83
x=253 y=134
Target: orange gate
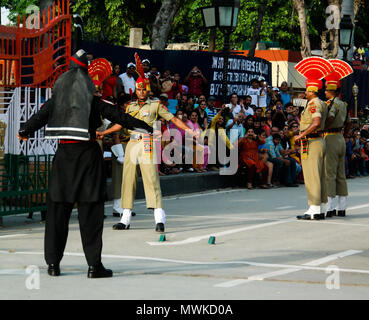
x=36 y=57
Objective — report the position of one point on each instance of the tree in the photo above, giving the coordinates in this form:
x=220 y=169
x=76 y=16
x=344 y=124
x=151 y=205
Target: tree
x=305 y=40
x=256 y=36
x=163 y=23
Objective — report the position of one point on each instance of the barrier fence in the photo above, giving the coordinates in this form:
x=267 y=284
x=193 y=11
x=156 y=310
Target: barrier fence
x=24 y=183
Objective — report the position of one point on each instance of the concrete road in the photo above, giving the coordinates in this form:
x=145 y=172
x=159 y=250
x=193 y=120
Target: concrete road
x=261 y=251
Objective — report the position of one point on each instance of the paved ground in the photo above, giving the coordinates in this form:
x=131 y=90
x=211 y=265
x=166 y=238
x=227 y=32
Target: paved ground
x=261 y=252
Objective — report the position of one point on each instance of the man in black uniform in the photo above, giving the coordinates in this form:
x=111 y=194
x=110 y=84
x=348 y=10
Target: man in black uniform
x=73 y=114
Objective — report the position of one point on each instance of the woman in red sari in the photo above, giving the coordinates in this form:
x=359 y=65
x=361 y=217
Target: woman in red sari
x=249 y=156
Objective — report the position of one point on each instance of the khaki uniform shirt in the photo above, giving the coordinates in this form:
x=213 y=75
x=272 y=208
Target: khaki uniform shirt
x=315 y=108
x=149 y=111
x=337 y=110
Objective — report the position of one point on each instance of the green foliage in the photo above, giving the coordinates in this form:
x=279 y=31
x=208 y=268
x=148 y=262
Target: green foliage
x=109 y=21
x=17 y=7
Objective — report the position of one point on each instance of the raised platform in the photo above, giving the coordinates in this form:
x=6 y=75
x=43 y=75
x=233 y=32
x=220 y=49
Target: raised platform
x=186 y=183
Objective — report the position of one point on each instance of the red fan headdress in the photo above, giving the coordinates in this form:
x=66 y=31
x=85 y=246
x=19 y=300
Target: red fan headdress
x=99 y=70
x=314 y=69
x=341 y=70
x=142 y=81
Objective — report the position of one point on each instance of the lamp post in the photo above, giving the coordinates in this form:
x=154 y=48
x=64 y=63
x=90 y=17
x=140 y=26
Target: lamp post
x=345 y=34
x=355 y=92
x=223 y=14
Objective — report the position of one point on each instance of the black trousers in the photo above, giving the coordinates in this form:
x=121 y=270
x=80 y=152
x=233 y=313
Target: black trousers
x=91 y=223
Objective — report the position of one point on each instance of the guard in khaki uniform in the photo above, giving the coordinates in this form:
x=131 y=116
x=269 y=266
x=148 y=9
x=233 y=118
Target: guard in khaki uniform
x=140 y=151
x=311 y=134
x=336 y=122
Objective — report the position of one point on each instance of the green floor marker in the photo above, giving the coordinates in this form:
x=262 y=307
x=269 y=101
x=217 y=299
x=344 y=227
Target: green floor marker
x=211 y=240
x=162 y=238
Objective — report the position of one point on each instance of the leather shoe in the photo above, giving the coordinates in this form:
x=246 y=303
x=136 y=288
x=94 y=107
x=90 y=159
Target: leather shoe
x=159 y=227
x=116 y=214
x=120 y=226
x=53 y=270
x=99 y=271
x=319 y=216
x=292 y=185
x=331 y=213
x=341 y=213
x=133 y=214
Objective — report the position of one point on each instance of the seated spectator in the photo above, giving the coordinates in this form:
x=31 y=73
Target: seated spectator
x=264 y=126
x=278 y=118
x=263 y=156
x=195 y=81
x=249 y=122
x=154 y=76
x=285 y=96
x=258 y=112
x=235 y=124
x=128 y=79
x=202 y=115
x=365 y=157
x=246 y=104
x=249 y=156
x=111 y=89
x=189 y=107
x=257 y=126
x=198 y=150
x=284 y=169
x=215 y=133
x=211 y=111
x=234 y=107
x=268 y=116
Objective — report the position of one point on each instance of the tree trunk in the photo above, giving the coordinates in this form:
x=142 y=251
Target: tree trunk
x=330 y=37
x=305 y=41
x=259 y=23
x=212 y=37
x=163 y=23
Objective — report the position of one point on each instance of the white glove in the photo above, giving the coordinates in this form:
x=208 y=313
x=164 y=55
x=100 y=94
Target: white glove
x=118 y=150
x=120 y=160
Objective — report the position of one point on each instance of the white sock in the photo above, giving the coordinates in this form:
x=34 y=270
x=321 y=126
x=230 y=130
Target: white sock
x=314 y=210
x=126 y=217
x=331 y=205
x=116 y=206
x=342 y=203
x=159 y=215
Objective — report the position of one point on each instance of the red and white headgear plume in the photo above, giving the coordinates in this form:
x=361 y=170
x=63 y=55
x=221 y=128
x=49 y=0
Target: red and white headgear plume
x=142 y=81
x=341 y=70
x=314 y=69
x=99 y=70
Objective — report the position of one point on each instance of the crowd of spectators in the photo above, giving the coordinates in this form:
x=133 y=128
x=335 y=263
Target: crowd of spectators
x=263 y=126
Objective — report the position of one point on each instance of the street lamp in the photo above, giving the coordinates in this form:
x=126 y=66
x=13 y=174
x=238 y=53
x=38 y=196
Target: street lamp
x=355 y=92
x=345 y=34
x=223 y=14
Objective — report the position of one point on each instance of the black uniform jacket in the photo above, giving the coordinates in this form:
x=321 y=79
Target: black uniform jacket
x=77 y=173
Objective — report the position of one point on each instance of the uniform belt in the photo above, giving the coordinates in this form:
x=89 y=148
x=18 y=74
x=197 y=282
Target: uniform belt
x=62 y=141
x=333 y=130
x=314 y=135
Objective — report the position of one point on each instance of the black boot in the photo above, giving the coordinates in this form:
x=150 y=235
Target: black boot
x=99 y=271
x=53 y=270
x=159 y=227
x=120 y=226
x=331 y=213
x=341 y=213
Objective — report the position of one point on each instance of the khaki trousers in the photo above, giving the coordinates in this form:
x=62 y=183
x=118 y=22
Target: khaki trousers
x=335 y=165
x=134 y=156
x=314 y=172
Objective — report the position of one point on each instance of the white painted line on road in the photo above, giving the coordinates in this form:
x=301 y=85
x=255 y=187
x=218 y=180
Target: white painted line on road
x=13 y=235
x=260 y=277
x=286 y=207
x=12 y=272
x=224 y=263
x=359 y=207
x=219 y=234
